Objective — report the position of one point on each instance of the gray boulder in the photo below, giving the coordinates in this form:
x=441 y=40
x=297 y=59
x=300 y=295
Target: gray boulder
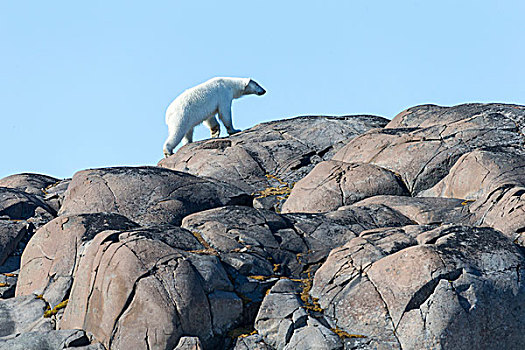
x=263 y=243
x=146 y=195
x=454 y=287
x=333 y=184
x=285 y=323
x=424 y=210
x=8 y=283
x=23 y=314
x=11 y=233
x=19 y=205
x=480 y=172
x=268 y=158
x=250 y=342
x=165 y=274
x=423 y=154
x=35 y=184
x=51 y=340
x=49 y=260
x=189 y=343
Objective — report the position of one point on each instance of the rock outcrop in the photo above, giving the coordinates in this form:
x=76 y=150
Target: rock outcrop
x=309 y=233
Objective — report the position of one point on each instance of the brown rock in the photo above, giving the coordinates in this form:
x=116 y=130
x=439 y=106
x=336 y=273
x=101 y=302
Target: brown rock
x=429 y=288
x=285 y=150
x=424 y=210
x=147 y=195
x=332 y=184
x=424 y=153
x=49 y=260
x=11 y=232
x=479 y=172
x=502 y=209
x=19 y=205
x=140 y=289
x=35 y=184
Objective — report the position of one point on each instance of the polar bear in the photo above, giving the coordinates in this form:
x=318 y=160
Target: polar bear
x=201 y=103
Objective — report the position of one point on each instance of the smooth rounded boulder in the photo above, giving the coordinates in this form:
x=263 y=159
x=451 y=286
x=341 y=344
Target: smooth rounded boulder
x=146 y=195
x=333 y=184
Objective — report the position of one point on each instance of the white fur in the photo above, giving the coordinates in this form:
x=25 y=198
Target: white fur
x=200 y=104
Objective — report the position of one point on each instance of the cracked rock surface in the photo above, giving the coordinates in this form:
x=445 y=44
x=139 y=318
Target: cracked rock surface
x=146 y=194
x=321 y=232
x=429 y=288
x=285 y=149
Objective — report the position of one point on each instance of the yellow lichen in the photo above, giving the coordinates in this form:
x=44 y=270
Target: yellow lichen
x=4 y=284
x=342 y=334
x=260 y=277
x=283 y=189
x=276 y=267
x=466 y=201
x=40 y=296
x=54 y=311
x=310 y=303
x=241 y=332
x=8 y=274
x=208 y=249
x=247 y=334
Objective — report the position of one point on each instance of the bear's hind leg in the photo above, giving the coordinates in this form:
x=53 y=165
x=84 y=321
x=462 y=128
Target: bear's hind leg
x=212 y=124
x=188 y=137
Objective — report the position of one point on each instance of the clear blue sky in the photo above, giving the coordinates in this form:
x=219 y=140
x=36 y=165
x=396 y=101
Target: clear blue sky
x=86 y=84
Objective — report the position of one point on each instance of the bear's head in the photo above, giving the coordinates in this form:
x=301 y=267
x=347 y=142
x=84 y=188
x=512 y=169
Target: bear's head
x=252 y=88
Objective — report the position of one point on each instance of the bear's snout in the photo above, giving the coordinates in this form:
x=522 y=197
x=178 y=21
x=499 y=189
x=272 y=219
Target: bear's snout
x=261 y=92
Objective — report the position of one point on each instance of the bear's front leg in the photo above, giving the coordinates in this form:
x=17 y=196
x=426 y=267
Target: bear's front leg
x=212 y=124
x=226 y=116
x=233 y=131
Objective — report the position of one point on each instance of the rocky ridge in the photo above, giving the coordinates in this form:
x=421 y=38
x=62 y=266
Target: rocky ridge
x=315 y=232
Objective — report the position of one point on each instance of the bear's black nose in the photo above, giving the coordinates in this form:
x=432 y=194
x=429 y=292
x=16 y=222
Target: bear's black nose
x=262 y=93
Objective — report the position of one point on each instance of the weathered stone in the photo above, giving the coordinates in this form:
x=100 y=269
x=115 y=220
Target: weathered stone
x=274 y=320
x=226 y=310
x=251 y=342
x=35 y=184
x=332 y=184
x=55 y=194
x=314 y=335
x=428 y=115
x=442 y=293
x=189 y=343
x=23 y=314
x=424 y=210
x=11 y=232
x=502 y=209
x=8 y=281
x=284 y=323
x=495 y=181
x=147 y=195
x=480 y=172
x=273 y=154
x=49 y=260
x=19 y=205
x=50 y=340
x=123 y=276
x=255 y=242
x=423 y=154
